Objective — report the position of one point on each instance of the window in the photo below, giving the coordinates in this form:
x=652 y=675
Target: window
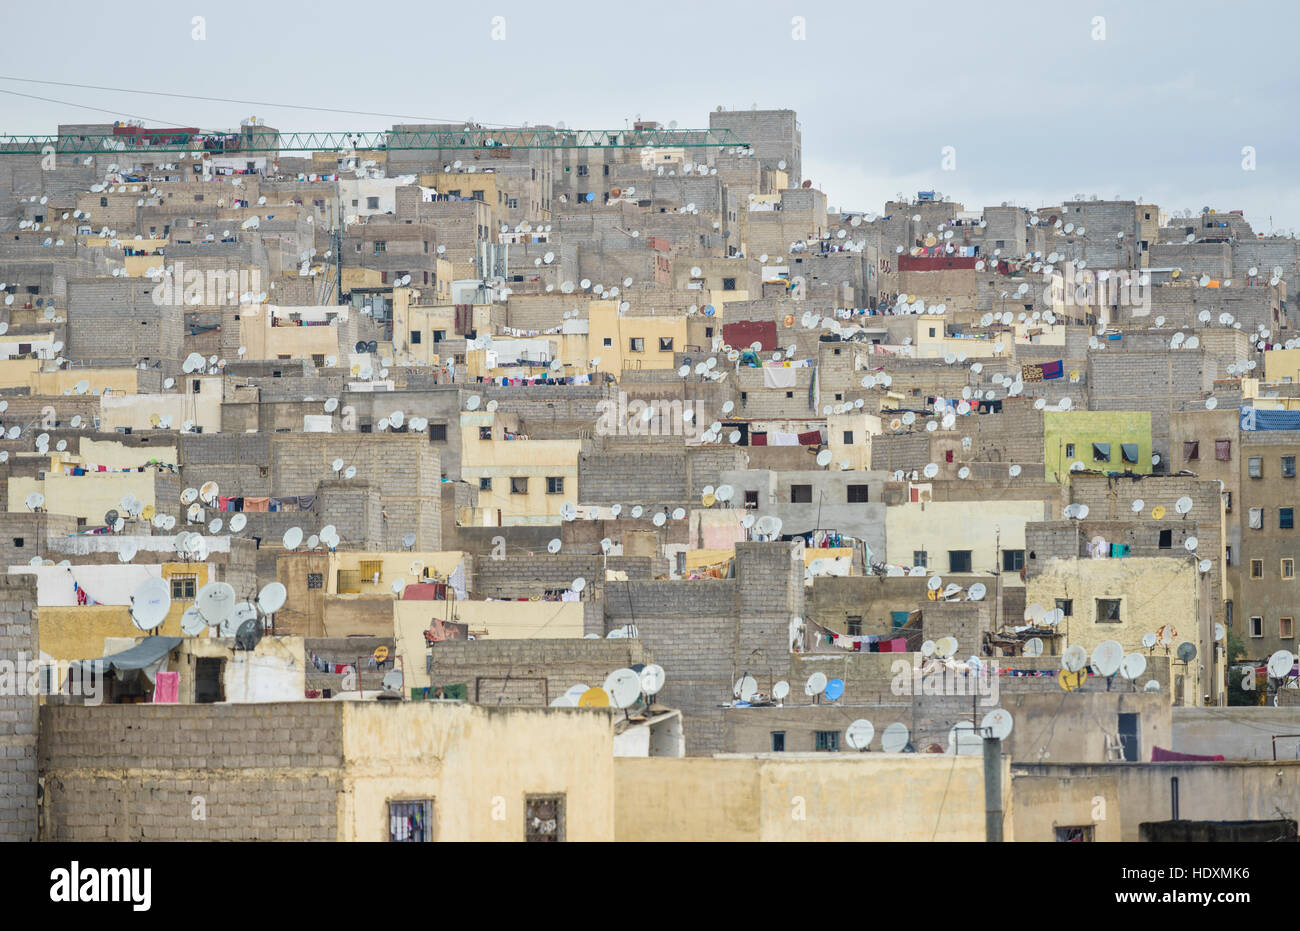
x=555 y=484
x=959 y=560
x=415 y=337
x=920 y=558
x=18 y=543
x=858 y=494
x=485 y=483
x=1129 y=741
x=1257 y=568
x=582 y=171
x=544 y=818
x=827 y=740
x=1288 y=568
x=1065 y=606
x=854 y=625
x=1288 y=466
x=1069 y=450
x=485 y=433
x=437 y=433
x=315 y=580
x=801 y=494
x=1166 y=539
x=1223 y=450
x=1129 y=452
x=636 y=344
x=1013 y=560
x=1101 y=452
x=665 y=344
x=1286 y=628
x=380 y=246
x=1255 y=518
x=1108 y=610
x=371 y=570
x=1257 y=627
x=728 y=284
x=439 y=335
x=1285 y=518
x=1255 y=467
x=410 y=822
x=184 y=587
x=372 y=203
x=1191 y=450
x=1227 y=556
x=848 y=437
x=519 y=485
x=778 y=741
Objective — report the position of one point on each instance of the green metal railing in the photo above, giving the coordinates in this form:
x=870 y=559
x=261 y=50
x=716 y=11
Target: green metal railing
x=266 y=141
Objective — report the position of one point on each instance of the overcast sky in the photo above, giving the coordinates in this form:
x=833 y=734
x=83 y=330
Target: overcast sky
x=1037 y=109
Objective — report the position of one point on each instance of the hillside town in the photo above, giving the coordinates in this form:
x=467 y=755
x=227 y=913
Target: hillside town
x=452 y=483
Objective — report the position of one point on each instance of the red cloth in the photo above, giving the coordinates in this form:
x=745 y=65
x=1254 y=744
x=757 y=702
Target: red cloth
x=811 y=438
x=744 y=332
x=758 y=439
x=1161 y=755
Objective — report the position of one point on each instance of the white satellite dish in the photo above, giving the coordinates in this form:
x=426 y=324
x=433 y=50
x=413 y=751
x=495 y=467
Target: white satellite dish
x=237 y=523
x=1183 y=505
x=1034 y=646
x=150 y=603
x=192 y=622
x=997 y=723
x=858 y=734
x=780 y=690
x=1132 y=666
x=976 y=592
x=215 y=601
x=652 y=679
x=815 y=685
x=624 y=687
x=1280 y=663
x=292 y=537
x=745 y=688
x=1107 y=656
x=1074 y=658
x=894 y=738
x=272 y=597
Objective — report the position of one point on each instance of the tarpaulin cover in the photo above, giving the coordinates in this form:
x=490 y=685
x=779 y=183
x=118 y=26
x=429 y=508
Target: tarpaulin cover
x=744 y=332
x=145 y=653
x=1254 y=419
x=1161 y=755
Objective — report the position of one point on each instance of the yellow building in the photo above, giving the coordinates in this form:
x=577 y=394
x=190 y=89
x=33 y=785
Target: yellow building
x=961 y=536
x=1124 y=599
x=271 y=332
x=849 y=439
x=625 y=342
x=1282 y=365
x=198 y=399
x=486 y=186
x=803 y=797
x=519 y=481
x=89 y=496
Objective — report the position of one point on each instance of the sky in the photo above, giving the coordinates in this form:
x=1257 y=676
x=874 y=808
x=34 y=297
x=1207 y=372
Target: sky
x=1185 y=104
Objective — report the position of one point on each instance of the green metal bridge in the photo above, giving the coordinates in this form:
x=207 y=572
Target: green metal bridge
x=253 y=140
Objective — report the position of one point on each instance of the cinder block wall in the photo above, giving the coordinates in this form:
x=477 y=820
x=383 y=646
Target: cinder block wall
x=18 y=641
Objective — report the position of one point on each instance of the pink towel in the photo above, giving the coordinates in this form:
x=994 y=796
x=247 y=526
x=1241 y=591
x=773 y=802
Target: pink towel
x=166 y=687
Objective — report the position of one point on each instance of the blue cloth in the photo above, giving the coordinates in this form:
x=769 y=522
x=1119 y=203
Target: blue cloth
x=1255 y=419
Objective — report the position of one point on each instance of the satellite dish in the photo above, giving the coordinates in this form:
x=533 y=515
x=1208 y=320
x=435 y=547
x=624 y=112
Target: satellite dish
x=1074 y=658
x=834 y=689
x=895 y=738
x=931 y=470
x=272 y=597
x=150 y=603
x=248 y=634
x=1106 y=657
x=652 y=679
x=1280 y=663
x=292 y=537
x=594 y=698
x=237 y=523
x=192 y=622
x=189 y=495
x=976 y=592
x=578 y=584
x=1183 y=505
x=350 y=472
x=781 y=690
x=1148 y=640
x=1034 y=647
x=34 y=501
x=745 y=688
x=815 y=685
x=1187 y=651
x=1133 y=666
x=997 y=723
x=215 y=601
x=624 y=687
x=398 y=585
x=554 y=546
x=1220 y=632
x=858 y=734
x=824 y=457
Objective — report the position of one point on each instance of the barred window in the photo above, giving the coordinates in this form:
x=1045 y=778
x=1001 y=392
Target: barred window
x=544 y=818
x=410 y=821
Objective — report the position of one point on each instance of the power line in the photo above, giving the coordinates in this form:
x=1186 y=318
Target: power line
x=254 y=103
x=82 y=106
